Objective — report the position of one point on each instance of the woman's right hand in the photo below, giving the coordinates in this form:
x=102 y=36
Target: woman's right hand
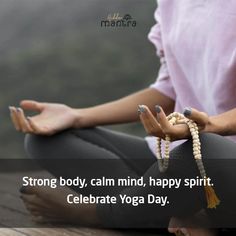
x=51 y=117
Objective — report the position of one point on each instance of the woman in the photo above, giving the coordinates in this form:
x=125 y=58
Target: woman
x=196 y=46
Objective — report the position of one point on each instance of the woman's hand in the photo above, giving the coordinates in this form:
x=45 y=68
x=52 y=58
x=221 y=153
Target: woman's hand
x=160 y=126
x=51 y=119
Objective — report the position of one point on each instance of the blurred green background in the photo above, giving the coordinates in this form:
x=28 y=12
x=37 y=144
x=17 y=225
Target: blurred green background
x=56 y=51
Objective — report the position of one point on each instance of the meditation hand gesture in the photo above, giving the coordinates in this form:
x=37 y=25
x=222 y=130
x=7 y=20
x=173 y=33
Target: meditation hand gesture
x=51 y=119
x=160 y=126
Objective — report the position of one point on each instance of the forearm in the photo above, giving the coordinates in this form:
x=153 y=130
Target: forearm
x=123 y=110
x=223 y=124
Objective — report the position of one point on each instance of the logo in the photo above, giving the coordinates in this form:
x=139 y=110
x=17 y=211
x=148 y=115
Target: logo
x=118 y=21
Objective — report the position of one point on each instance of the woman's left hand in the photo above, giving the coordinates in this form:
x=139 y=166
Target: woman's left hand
x=160 y=126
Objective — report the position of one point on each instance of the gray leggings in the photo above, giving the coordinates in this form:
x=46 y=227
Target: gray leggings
x=135 y=159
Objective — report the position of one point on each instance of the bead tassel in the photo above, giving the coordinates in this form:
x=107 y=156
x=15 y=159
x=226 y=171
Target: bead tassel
x=177 y=118
x=212 y=199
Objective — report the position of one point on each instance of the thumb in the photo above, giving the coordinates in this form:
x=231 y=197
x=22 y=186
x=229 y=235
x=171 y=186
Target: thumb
x=32 y=105
x=199 y=117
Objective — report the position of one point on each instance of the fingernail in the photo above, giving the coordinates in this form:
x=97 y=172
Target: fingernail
x=22 y=189
x=141 y=109
x=18 y=109
x=158 y=108
x=28 y=118
x=187 y=111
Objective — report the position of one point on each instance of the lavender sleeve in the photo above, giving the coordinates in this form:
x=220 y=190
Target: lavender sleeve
x=163 y=82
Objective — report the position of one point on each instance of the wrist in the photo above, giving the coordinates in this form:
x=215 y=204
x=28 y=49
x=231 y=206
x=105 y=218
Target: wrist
x=216 y=126
x=82 y=118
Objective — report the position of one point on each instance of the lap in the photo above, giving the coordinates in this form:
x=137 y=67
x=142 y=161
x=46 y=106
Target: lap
x=105 y=144
x=185 y=201
x=92 y=143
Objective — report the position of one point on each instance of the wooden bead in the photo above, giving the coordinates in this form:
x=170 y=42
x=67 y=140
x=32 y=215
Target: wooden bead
x=175 y=118
x=198 y=156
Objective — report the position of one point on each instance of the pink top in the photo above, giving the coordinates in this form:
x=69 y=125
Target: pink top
x=196 y=43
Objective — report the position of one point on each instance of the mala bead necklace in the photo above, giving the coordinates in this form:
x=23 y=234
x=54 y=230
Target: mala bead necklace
x=163 y=162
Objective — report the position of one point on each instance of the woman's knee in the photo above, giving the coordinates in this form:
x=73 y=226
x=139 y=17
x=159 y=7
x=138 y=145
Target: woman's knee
x=214 y=146
x=35 y=145
x=45 y=147
x=210 y=144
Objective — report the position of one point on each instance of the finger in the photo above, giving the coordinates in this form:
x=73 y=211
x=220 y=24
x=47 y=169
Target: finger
x=146 y=125
x=13 y=114
x=165 y=125
x=32 y=105
x=172 y=230
x=31 y=207
x=29 y=198
x=184 y=231
x=180 y=233
x=200 y=118
x=33 y=200
x=25 y=127
x=181 y=121
x=34 y=190
x=145 y=117
x=174 y=227
x=33 y=126
x=28 y=190
x=149 y=121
